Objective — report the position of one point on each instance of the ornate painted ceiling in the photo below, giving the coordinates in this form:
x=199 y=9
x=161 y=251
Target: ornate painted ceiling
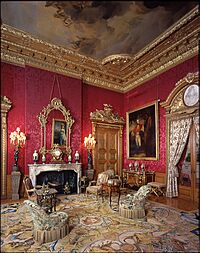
x=101 y=42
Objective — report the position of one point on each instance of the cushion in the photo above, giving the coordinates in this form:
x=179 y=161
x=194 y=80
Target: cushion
x=157 y=184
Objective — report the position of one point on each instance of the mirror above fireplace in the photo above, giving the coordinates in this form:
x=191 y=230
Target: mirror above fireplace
x=56 y=123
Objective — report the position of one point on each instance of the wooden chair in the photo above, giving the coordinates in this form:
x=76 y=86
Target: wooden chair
x=158 y=187
x=30 y=190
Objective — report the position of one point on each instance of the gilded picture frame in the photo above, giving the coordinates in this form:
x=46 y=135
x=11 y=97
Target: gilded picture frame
x=142 y=132
x=59 y=133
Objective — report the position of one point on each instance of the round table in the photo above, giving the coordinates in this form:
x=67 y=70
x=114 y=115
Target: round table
x=46 y=198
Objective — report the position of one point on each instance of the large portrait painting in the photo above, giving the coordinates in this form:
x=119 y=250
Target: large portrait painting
x=142 y=132
x=59 y=132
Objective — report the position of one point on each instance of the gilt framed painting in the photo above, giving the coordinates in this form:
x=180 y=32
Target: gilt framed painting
x=142 y=132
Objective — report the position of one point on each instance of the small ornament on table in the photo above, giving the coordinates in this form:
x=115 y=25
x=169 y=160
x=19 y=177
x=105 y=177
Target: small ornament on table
x=45 y=188
x=66 y=189
x=136 y=165
x=43 y=158
x=69 y=159
x=35 y=156
x=130 y=166
x=77 y=157
x=142 y=167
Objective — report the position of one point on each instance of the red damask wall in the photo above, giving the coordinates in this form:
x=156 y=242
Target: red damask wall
x=30 y=89
x=157 y=88
x=94 y=98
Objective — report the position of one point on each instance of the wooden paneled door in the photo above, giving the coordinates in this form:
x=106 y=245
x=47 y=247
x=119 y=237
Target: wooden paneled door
x=108 y=149
x=107 y=129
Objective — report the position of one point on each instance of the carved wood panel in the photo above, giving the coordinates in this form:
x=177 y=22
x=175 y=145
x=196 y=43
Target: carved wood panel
x=106 y=155
x=107 y=129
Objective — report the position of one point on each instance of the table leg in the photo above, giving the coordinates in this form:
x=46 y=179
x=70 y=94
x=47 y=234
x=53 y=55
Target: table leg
x=54 y=202
x=119 y=196
x=110 y=195
x=51 y=204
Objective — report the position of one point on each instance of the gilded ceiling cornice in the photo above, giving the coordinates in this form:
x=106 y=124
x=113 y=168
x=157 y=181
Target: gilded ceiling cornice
x=186 y=19
x=172 y=49
x=177 y=44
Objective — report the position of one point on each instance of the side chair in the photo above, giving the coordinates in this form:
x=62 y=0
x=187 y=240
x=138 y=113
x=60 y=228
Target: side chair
x=30 y=190
x=158 y=186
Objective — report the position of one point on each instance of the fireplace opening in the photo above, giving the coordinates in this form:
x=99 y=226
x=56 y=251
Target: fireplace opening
x=59 y=178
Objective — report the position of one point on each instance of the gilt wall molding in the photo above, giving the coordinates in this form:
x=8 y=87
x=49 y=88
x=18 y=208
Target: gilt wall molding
x=174 y=101
x=177 y=44
x=5 y=107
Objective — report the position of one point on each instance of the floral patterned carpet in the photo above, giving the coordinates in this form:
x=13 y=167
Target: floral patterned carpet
x=95 y=227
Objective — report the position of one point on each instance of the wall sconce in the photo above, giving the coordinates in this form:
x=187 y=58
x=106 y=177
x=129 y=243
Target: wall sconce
x=89 y=143
x=17 y=139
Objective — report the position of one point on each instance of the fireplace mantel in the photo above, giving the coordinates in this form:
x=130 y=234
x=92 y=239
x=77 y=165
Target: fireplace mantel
x=36 y=169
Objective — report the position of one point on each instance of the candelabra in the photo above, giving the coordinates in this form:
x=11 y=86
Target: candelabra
x=17 y=139
x=89 y=143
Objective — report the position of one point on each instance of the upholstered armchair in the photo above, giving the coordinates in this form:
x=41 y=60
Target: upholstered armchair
x=97 y=187
x=47 y=227
x=133 y=206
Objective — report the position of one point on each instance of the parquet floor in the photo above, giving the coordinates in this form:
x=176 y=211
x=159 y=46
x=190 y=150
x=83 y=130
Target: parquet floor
x=182 y=204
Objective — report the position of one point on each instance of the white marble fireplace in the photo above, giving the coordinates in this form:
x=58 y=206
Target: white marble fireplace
x=36 y=169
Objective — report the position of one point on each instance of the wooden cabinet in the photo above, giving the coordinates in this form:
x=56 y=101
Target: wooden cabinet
x=137 y=178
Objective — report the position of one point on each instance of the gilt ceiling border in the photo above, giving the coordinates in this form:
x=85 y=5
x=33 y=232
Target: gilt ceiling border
x=177 y=44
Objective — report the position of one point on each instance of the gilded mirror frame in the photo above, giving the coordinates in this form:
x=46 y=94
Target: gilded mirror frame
x=55 y=104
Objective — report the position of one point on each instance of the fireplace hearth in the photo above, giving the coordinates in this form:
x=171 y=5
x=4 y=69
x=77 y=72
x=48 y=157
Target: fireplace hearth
x=59 y=179
x=57 y=175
